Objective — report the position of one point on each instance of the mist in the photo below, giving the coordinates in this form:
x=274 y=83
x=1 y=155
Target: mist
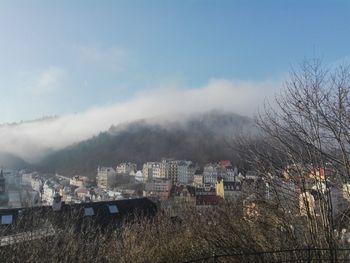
x=32 y=141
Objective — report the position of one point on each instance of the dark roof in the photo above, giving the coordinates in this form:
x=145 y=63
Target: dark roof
x=102 y=214
x=178 y=189
x=198 y=171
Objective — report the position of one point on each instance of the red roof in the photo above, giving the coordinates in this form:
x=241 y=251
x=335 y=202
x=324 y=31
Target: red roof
x=225 y=163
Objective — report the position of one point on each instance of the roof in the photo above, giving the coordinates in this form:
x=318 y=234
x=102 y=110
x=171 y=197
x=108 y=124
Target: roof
x=102 y=214
x=177 y=190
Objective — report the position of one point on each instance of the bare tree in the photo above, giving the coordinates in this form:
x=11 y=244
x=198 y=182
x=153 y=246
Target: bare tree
x=308 y=135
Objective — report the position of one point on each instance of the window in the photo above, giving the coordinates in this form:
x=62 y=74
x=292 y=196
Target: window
x=6 y=219
x=113 y=209
x=88 y=211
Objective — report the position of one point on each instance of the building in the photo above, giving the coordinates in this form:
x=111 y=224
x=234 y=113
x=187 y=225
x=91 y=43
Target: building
x=210 y=174
x=151 y=170
x=206 y=197
x=27 y=178
x=158 y=188
x=106 y=177
x=126 y=169
x=228 y=190
x=46 y=221
x=79 y=181
x=82 y=193
x=185 y=172
x=169 y=170
x=4 y=198
x=184 y=194
x=13 y=178
x=198 y=178
x=49 y=190
x=37 y=184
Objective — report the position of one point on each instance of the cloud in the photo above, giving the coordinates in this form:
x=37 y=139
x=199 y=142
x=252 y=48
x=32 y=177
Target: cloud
x=33 y=140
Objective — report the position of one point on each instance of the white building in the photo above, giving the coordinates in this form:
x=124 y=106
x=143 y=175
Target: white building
x=79 y=181
x=27 y=178
x=49 y=190
x=126 y=168
x=151 y=170
x=210 y=174
x=37 y=184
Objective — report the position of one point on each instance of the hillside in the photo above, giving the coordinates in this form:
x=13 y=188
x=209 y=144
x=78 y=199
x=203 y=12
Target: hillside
x=201 y=138
x=12 y=162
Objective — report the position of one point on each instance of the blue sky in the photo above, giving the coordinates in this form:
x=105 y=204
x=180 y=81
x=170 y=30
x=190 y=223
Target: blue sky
x=64 y=57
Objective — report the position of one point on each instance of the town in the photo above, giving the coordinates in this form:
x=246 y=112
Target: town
x=170 y=183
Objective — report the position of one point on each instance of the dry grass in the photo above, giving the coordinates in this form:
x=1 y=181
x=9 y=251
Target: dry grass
x=223 y=229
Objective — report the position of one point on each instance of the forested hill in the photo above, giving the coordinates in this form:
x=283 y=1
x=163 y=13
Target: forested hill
x=201 y=138
x=12 y=162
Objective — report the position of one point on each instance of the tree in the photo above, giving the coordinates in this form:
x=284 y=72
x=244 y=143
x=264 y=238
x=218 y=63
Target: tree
x=308 y=132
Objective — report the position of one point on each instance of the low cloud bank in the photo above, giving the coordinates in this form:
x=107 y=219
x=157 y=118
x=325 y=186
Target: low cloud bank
x=33 y=140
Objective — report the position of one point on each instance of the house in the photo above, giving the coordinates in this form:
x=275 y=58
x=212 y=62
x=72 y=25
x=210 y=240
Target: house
x=158 y=188
x=210 y=174
x=206 y=197
x=228 y=190
x=183 y=194
x=169 y=169
x=106 y=177
x=26 y=224
x=49 y=190
x=151 y=170
x=198 y=178
x=126 y=169
x=79 y=181
x=185 y=172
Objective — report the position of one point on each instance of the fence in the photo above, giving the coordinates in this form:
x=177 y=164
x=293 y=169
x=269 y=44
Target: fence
x=289 y=255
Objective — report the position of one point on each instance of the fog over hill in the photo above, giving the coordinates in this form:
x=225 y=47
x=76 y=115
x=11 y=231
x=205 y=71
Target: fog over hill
x=33 y=141
x=202 y=137
x=12 y=162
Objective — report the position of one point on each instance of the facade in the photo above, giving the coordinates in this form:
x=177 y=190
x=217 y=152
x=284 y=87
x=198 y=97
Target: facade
x=37 y=184
x=106 y=177
x=79 y=181
x=210 y=174
x=198 y=180
x=164 y=169
x=185 y=172
x=168 y=169
x=159 y=188
x=12 y=177
x=206 y=197
x=4 y=198
x=126 y=168
x=228 y=190
x=151 y=170
x=27 y=178
x=49 y=190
